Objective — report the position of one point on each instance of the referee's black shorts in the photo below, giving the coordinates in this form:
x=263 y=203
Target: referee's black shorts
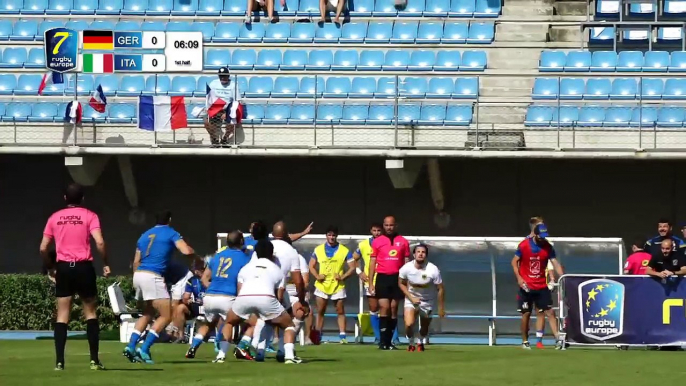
x=387 y=287
x=75 y=278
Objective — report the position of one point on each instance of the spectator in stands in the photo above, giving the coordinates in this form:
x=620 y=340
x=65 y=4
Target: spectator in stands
x=667 y=263
x=682 y=228
x=664 y=230
x=261 y=5
x=326 y=6
x=637 y=262
x=226 y=90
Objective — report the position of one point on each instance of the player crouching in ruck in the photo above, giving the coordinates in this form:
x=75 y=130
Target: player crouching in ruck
x=416 y=280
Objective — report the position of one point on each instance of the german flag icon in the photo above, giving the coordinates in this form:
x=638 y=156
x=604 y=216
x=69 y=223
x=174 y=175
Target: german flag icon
x=98 y=40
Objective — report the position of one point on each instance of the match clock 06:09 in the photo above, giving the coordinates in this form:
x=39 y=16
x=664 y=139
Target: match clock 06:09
x=183 y=44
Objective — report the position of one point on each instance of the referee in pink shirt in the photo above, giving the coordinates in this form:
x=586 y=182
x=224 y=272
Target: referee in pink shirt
x=72 y=228
x=390 y=252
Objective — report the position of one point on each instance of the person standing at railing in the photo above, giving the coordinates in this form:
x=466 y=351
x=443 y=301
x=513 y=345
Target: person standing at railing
x=664 y=231
x=221 y=110
x=668 y=263
x=637 y=262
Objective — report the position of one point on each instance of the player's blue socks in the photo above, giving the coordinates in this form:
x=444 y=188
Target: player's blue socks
x=374 y=320
x=197 y=341
x=539 y=336
x=150 y=339
x=133 y=340
x=341 y=336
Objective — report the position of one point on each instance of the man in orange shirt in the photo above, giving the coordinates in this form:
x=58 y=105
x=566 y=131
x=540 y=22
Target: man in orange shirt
x=637 y=262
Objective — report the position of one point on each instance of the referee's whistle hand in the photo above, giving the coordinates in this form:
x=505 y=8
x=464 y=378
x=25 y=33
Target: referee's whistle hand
x=106 y=271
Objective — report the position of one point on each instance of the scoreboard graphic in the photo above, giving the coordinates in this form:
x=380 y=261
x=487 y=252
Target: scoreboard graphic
x=103 y=52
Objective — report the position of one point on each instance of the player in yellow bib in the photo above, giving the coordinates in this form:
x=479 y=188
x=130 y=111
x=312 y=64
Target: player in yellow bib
x=331 y=258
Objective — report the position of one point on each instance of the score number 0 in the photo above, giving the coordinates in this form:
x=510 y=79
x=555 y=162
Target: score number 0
x=154 y=63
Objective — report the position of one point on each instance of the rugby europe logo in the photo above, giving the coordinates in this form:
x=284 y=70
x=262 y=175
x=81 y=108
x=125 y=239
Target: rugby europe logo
x=601 y=302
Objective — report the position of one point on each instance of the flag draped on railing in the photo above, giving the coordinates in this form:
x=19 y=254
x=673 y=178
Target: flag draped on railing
x=162 y=113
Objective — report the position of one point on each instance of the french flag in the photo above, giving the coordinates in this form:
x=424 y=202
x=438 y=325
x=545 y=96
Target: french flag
x=98 y=100
x=162 y=113
x=50 y=78
x=73 y=113
x=213 y=103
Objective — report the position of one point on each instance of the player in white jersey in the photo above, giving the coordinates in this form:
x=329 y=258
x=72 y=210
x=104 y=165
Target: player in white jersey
x=261 y=284
x=420 y=280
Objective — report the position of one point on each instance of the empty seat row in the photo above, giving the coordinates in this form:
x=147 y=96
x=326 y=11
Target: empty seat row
x=610 y=9
x=273 y=113
x=608 y=61
x=605 y=88
x=612 y=116
x=230 y=32
x=384 y=8
x=607 y=35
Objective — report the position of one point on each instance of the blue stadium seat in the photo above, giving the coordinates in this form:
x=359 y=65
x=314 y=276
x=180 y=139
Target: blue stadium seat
x=127 y=25
x=206 y=27
x=8 y=82
x=362 y=87
x=487 y=8
x=27 y=84
x=386 y=87
x=370 y=60
x=11 y=7
x=361 y=8
x=436 y=8
x=46 y=25
x=109 y=83
x=211 y=7
x=84 y=7
x=603 y=61
x=624 y=88
x=466 y=88
x=153 y=26
x=380 y=114
x=307 y=87
x=159 y=7
x=432 y=115
x=538 y=116
x=184 y=7
x=255 y=113
x=329 y=113
x=384 y=8
x=566 y=116
x=607 y=9
x=157 y=84
x=472 y=61
x=319 y=60
x=440 y=87
x=44 y=112
x=644 y=10
x=353 y=33
x=268 y=60
x=644 y=117
x=413 y=87
x=201 y=85
x=302 y=114
x=409 y=113
x=404 y=32
x=226 y=32
x=396 y=60
x=80 y=25
x=591 y=116
x=36 y=58
x=481 y=33
x=344 y=60
x=598 y=88
x=90 y=115
x=429 y=32
x=84 y=85
x=675 y=88
x=552 y=61
x=260 y=87
x=675 y=8
x=289 y=8
x=677 y=61
x=578 y=61
x=277 y=32
x=327 y=33
x=34 y=7
x=602 y=36
x=102 y=25
x=635 y=37
x=651 y=88
x=656 y=61
x=122 y=113
x=670 y=35
x=618 y=116
x=308 y=8
x=337 y=87
x=458 y=115
x=670 y=116
x=131 y=85
x=216 y=58
x=133 y=7
x=354 y=114
x=302 y=33
x=462 y=8
x=413 y=8
x=545 y=88
x=13 y=57
x=243 y=59
x=379 y=32
x=182 y=86
x=24 y=30
x=5 y=29
x=17 y=112
x=447 y=61
x=59 y=7
x=630 y=61
x=178 y=26
x=422 y=60
x=294 y=60
x=251 y=33
x=572 y=88
x=234 y=8
x=110 y=7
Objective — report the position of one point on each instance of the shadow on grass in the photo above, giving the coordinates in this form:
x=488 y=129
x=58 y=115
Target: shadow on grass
x=320 y=360
x=147 y=369
x=185 y=362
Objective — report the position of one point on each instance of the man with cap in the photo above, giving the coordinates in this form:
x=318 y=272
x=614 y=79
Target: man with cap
x=664 y=231
x=226 y=91
x=529 y=264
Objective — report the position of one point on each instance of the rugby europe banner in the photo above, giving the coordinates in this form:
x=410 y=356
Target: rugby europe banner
x=625 y=310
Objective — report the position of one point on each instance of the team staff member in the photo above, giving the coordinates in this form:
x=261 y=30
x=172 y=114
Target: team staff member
x=389 y=252
x=550 y=280
x=364 y=252
x=331 y=258
x=528 y=265
x=71 y=229
x=664 y=230
x=637 y=262
x=667 y=263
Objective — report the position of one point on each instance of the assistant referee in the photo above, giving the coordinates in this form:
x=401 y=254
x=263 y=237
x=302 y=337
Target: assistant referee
x=390 y=252
x=71 y=228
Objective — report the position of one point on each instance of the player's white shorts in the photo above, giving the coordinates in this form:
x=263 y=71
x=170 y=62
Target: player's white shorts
x=292 y=298
x=217 y=305
x=149 y=286
x=425 y=308
x=265 y=307
x=336 y=296
x=179 y=288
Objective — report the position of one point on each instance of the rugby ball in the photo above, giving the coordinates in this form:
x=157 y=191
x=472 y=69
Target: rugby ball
x=315 y=337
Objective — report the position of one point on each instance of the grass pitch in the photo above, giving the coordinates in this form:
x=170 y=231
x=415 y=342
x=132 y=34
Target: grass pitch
x=25 y=363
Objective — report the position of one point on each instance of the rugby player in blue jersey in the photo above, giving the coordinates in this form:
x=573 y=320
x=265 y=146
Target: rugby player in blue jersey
x=154 y=251
x=191 y=299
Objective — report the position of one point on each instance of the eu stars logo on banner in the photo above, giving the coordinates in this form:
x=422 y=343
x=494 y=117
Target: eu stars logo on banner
x=61 y=49
x=601 y=305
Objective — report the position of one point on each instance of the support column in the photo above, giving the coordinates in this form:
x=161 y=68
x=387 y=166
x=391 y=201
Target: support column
x=85 y=170
x=136 y=215
x=441 y=218
x=403 y=172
